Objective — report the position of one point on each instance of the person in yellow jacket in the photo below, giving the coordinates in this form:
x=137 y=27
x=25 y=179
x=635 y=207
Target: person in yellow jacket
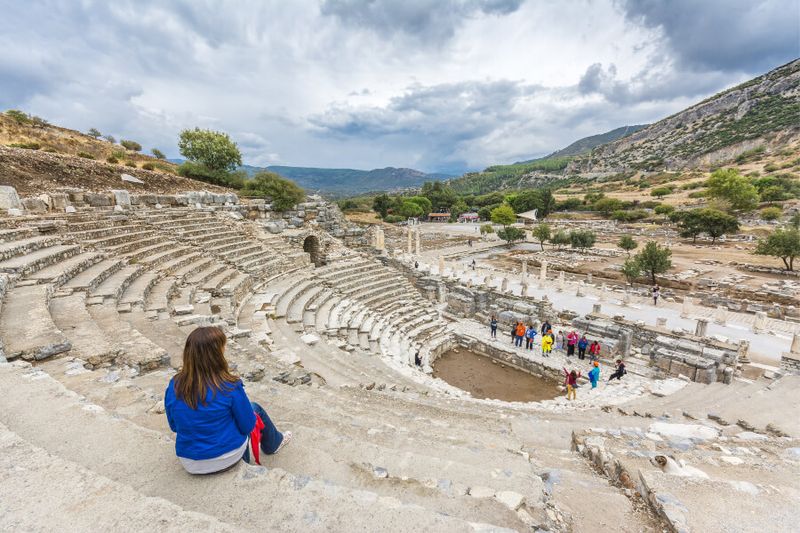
x=547 y=345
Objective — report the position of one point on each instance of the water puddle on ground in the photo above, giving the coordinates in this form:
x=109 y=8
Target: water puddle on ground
x=484 y=378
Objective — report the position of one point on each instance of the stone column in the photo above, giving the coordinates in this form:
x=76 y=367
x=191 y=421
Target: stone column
x=524 y=268
x=702 y=327
x=408 y=239
x=795 y=344
x=744 y=349
x=589 y=278
x=579 y=292
x=626 y=298
x=790 y=361
x=720 y=315
x=661 y=322
x=760 y=322
x=624 y=344
x=504 y=285
x=561 y=281
x=596 y=309
x=686 y=307
x=487 y=280
x=603 y=291
x=441 y=264
x=416 y=241
x=543 y=272
x=524 y=291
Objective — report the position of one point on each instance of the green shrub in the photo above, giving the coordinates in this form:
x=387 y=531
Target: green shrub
x=20 y=117
x=212 y=149
x=133 y=146
x=27 y=146
x=284 y=194
x=393 y=219
x=664 y=209
x=165 y=167
x=85 y=155
x=158 y=154
x=50 y=150
x=486 y=228
x=197 y=171
x=661 y=192
x=698 y=194
x=112 y=160
x=130 y=164
x=582 y=239
x=772 y=167
x=771 y=213
x=148 y=166
x=118 y=154
x=649 y=204
x=629 y=216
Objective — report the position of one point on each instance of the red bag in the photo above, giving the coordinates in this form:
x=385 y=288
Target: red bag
x=255 y=438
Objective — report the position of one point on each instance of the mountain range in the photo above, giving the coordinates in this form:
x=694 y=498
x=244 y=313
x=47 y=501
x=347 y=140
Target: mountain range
x=582 y=146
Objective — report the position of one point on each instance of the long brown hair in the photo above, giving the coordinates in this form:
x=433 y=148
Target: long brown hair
x=204 y=367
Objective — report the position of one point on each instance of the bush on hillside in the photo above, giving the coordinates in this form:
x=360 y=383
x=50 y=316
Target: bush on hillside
x=130 y=164
x=20 y=117
x=628 y=216
x=133 y=146
x=661 y=192
x=112 y=159
x=582 y=239
x=212 y=149
x=771 y=213
x=110 y=138
x=94 y=132
x=283 y=193
x=148 y=166
x=85 y=155
x=26 y=146
x=158 y=154
x=197 y=171
x=486 y=228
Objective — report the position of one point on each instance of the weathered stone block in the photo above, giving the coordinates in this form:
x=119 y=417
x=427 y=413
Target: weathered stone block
x=9 y=199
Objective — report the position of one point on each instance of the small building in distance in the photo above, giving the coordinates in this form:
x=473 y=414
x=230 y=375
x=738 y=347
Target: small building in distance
x=438 y=217
x=469 y=217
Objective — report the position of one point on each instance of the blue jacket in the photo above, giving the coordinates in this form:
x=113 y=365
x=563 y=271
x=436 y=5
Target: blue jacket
x=583 y=343
x=220 y=426
x=531 y=333
x=594 y=374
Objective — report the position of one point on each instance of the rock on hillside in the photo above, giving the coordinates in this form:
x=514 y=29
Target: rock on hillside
x=762 y=111
x=31 y=172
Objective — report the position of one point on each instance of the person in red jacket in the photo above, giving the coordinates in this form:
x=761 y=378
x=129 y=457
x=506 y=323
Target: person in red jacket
x=594 y=351
x=572 y=340
x=571 y=381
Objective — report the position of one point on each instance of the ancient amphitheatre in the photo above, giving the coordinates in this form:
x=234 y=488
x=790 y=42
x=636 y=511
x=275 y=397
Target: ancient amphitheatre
x=105 y=268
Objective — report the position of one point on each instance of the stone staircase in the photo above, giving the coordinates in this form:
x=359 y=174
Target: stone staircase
x=93 y=321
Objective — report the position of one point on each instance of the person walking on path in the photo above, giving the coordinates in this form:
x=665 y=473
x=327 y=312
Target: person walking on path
x=594 y=351
x=594 y=374
x=560 y=340
x=473 y=264
x=546 y=327
x=513 y=333
x=530 y=337
x=583 y=343
x=520 y=333
x=572 y=340
x=493 y=326
x=656 y=294
x=571 y=381
x=619 y=372
x=206 y=406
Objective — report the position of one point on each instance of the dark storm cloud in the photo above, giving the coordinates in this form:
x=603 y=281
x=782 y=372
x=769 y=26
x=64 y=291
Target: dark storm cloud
x=429 y=20
x=724 y=35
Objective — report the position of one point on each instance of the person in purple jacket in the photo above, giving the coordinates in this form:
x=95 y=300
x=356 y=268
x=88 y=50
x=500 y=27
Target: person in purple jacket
x=208 y=409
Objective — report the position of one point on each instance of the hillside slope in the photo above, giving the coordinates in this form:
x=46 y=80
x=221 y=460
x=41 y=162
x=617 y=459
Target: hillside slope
x=581 y=146
x=764 y=110
x=351 y=181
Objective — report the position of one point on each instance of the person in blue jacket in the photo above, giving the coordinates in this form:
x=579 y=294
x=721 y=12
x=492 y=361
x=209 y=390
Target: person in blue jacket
x=208 y=409
x=594 y=374
x=583 y=343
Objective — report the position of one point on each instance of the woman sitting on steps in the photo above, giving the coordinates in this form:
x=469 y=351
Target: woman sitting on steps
x=208 y=409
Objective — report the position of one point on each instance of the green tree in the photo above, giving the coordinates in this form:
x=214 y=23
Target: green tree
x=781 y=243
x=110 y=138
x=627 y=243
x=212 y=149
x=631 y=269
x=457 y=209
x=608 y=205
x=511 y=234
x=20 y=117
x=503 y=215
x=582 y=239
x=541 y=233
x=158 y=154
x=727 y=184
x=654 y=259
x=133 y=146
x=717 y=223
x=423 y=203
x=489 y=199
x=94 y=132
x=409 y=209
x=771 y=213
x=689 y=223
x=381 y=204
x=486 y=228
x=283 y=193
x=440 y=194
x=664 y=209
x=560 y=238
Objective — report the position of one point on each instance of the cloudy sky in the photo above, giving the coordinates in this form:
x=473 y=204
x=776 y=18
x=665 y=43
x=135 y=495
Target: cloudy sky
x=438 y=85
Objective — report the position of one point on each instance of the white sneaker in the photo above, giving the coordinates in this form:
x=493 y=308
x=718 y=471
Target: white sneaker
x=287 y=438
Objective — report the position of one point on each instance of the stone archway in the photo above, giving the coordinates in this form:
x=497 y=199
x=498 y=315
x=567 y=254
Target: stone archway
x=312 y=247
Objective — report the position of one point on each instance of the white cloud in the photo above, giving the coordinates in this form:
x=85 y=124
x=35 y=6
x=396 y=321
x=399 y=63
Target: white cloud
x=440 y=85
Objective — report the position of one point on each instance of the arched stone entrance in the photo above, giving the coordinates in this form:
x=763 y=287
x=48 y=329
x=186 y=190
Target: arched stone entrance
x=311 y=247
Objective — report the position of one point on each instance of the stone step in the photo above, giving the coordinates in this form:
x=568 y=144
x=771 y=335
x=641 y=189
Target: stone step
x=135 y=349
x=145 y=461
x=114 y=285
x=26 y=328
x=61 y=272
x=24 y=246
x=137 y=291
x=93 y=276
x=38 y=259
x=88 y=341
x=80 y=497
x=159 y=295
